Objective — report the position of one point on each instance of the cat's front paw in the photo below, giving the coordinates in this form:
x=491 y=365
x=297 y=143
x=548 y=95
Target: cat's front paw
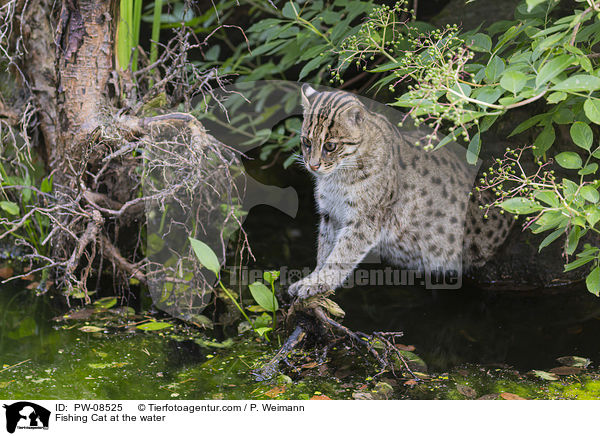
x=306 y=288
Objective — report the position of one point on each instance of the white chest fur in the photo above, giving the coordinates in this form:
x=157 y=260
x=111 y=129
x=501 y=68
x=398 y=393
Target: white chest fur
x=335 y=200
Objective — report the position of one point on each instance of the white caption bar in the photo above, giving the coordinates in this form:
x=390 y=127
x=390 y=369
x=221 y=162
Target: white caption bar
x=153 y=417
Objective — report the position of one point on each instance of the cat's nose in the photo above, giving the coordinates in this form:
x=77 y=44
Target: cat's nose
x=314 y=167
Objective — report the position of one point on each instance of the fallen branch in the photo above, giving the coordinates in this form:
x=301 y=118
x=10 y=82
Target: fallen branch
x=312 y=319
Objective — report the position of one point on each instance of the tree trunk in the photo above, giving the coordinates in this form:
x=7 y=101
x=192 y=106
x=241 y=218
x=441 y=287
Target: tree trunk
x=63 y=56
x=68 y=63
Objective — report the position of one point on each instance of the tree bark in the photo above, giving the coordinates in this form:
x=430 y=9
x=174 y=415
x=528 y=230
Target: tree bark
x=63 y=54
x=84 y=61
x=66 y=66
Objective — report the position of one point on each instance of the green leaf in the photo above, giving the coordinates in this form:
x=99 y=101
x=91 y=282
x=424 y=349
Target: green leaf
x=26 y=193
x=556 y=97
x=513 y=81
x=592 y=110
x=268 y=47
x=545 y=375
x=569 y=189
x=592 y=215
x=578 y=83
x=264 y=24
x=578 y=221
x=548 y=197
x=494 y=69
x=154 y=325
x=550 y=30
x=582 y=135
x=533 y=3
x=10 y=207
x=487 y=122
x=449 y=137
x=575 y=361
x=551 y=219
x=91 y=329
x=270 y=276
x=461 y=89
x=569 y=160
x=473 y=149
x=262 y=330
x=264 y=320
x=311 y=65
x=385 y=67
x=106 y=302
x=206 y=255
x=588 y=169
x=573 y=240
x=488 y=94
x=289 y=161
x=520 y=205
x=592 y=282
x=552 y=69
x=544 y=140
x=578 y=263
x=289 y=10
x=479 y=42
x=46 y=185
x=588 y=251
x=510 y=35
x=549 y=42
x=256 y=308
x=585 y=63
x=227 y=343
x=590 y=193
x=551 y=238
x=563 y=116
x=263 y=296
x=527 y=124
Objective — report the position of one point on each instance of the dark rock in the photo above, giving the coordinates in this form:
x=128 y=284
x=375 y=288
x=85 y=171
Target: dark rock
x=470 y=15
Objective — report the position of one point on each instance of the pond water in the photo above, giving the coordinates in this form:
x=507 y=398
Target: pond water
x=475 y=343
x=525 y=330
x=42 y=358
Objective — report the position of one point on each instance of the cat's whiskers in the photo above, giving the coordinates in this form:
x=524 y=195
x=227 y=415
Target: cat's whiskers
x=299 y=158
x=369 y=198
x=349 y=163
x=347 y=167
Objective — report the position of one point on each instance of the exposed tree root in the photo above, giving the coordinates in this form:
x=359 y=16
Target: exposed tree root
x=112 y=164
x=132 y=166
x=313 y=323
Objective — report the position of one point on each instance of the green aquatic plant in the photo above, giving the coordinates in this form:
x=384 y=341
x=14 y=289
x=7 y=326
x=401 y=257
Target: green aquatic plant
x=128 y=33
x=263 y=296
x=23 y=186
x=266 y=298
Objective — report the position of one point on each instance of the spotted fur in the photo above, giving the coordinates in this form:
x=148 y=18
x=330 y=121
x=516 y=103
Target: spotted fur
x=378 y=192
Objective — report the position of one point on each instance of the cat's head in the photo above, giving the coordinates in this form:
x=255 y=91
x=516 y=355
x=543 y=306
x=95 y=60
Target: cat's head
x=332 y=130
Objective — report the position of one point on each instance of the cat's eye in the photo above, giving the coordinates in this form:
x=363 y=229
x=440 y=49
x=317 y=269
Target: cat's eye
x=305 y=142
x=330 y=146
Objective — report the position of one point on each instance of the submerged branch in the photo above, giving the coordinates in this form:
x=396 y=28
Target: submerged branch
x=312 y=320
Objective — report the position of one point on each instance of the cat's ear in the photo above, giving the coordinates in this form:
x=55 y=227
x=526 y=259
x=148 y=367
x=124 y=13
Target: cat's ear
x=355 y=115
x=308 y=93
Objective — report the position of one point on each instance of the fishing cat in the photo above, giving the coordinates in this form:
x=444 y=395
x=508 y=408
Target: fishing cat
x=376 y=191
